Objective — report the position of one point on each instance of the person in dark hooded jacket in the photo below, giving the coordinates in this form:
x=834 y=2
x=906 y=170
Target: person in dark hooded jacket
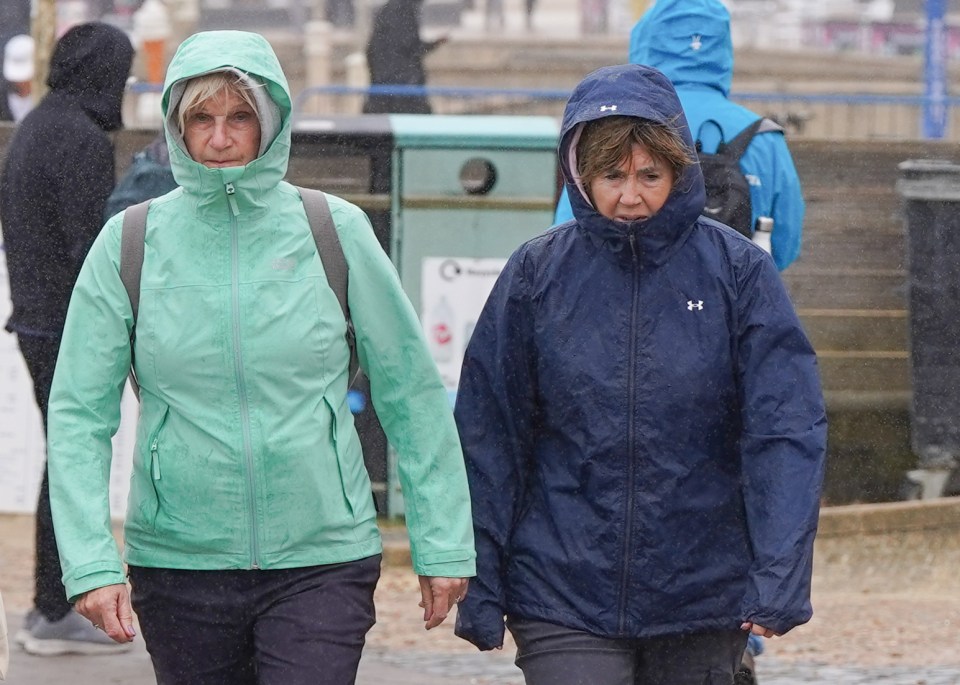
x=58 y=173
x=642 y=420
x=395 y=55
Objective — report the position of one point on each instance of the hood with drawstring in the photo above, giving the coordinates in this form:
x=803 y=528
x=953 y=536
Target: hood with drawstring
x=255 y=63
x=635 y=91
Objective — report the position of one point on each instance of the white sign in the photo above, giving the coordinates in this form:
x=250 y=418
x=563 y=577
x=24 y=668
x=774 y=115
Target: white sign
x=22 y=445
x=453 y=292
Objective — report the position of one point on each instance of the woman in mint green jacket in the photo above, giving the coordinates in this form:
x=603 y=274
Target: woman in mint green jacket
x=251 y=536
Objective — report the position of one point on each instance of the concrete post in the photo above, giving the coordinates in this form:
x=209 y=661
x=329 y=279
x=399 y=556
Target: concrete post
x=44 y=30
x=357 y=77
x=318 y=56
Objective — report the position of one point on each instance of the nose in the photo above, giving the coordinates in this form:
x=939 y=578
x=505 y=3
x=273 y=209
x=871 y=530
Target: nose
x=631 y=194
x=219 y=137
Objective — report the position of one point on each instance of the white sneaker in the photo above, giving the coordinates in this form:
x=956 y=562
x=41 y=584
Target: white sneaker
x=72 y=634
x=29 y=621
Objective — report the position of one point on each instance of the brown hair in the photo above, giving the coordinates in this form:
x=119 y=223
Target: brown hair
x=605 y=143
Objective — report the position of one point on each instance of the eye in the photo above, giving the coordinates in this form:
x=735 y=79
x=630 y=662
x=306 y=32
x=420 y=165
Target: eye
x=200 y=118
x=613 y=175
x=243 y=117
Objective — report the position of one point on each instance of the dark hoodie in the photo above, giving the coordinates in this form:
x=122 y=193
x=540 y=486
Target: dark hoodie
x=641 y=417
x=59 y=172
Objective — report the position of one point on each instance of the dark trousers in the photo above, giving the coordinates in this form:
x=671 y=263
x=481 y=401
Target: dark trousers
x=303 y=626
x=550 y=654
x=40 y=354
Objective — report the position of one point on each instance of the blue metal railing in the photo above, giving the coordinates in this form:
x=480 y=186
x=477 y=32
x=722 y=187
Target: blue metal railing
x=559 y=96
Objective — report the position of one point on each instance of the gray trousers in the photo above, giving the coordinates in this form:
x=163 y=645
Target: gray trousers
x=550 y=654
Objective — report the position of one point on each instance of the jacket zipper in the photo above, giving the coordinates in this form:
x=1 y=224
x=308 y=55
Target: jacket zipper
x=155 y=446
x=241 y=381
x=631 y=436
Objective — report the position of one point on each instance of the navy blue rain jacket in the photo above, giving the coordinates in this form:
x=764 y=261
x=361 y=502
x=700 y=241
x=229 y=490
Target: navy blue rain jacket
x=641 y=416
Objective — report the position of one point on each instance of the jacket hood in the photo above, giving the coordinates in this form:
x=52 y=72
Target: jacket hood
x=91 y=63
x=253 y=59
x=688 y=40
x=631 y=90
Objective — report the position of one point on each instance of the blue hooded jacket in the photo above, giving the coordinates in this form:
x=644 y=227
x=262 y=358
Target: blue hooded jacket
x=641 y=416
x=690 y=42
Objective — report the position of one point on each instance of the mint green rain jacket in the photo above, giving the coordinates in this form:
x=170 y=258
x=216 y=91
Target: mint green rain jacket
x=246 y=454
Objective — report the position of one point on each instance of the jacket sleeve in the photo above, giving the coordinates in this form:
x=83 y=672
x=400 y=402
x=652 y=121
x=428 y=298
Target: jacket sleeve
x=84 y=415
x=496 y=414
x=783 y=447
x=412 y=405
x=781 y=197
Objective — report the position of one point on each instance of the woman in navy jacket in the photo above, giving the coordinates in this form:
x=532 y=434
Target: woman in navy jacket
x=642 y=419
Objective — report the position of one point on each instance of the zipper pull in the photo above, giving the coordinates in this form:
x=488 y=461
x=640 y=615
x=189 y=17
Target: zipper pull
x=231 y=191
x=155 y=458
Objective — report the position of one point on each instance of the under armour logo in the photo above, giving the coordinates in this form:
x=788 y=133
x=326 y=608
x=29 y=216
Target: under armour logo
x=691 y=305
x=696 y=41
x=608 y=108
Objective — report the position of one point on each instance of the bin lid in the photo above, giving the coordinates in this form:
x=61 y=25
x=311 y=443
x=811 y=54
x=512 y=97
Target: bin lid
x=929 y=179
x=463 y=130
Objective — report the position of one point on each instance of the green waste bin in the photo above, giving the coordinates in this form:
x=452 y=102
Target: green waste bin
x=466 y=191
x=450 y=198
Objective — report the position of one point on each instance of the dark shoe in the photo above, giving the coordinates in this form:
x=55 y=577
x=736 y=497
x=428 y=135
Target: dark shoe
x=745 y=675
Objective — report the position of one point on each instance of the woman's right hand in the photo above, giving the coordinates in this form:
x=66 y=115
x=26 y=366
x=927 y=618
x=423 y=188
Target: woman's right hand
x=108 y=609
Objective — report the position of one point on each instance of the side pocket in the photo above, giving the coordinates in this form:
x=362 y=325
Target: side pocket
x=144 y=490
x=348 y=481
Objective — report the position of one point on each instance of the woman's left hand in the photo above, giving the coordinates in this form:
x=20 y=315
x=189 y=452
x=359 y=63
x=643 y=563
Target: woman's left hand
x=758 y=629
x=438 y=597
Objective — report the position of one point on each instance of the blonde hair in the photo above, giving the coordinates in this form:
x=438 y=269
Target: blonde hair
x=200 y=89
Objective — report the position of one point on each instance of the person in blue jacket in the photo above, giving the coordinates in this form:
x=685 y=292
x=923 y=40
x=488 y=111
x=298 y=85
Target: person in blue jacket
x=690 y=42
x=642 y=420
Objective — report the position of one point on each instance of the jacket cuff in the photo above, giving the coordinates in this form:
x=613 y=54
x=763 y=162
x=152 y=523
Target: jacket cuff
x=480 y=623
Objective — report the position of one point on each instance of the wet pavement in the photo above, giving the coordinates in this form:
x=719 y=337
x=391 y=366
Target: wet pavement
x=384 y=665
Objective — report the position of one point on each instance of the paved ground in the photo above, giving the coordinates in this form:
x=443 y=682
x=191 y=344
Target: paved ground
x=854 y=639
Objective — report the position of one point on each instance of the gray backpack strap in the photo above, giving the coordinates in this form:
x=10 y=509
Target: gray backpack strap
x=131 y=265
x=334 y=262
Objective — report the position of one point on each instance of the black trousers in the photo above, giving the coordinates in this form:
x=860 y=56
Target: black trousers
x=550 y=654
x=300 y=626
x=40 y=354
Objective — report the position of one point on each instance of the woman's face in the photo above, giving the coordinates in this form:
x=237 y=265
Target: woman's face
x=222 y=131
x=634 y=190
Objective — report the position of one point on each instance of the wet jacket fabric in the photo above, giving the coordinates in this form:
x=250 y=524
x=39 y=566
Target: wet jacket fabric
x=246 y=453
x=641 y=416
x=58 y=173
x=690 y=42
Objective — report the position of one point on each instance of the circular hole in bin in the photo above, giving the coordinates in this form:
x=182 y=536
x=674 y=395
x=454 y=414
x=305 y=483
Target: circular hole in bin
x=478 y=176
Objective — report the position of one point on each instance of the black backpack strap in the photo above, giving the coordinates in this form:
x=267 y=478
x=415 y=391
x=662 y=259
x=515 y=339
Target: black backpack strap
x=131 y=265
x=738 y=145
x=334 y=262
